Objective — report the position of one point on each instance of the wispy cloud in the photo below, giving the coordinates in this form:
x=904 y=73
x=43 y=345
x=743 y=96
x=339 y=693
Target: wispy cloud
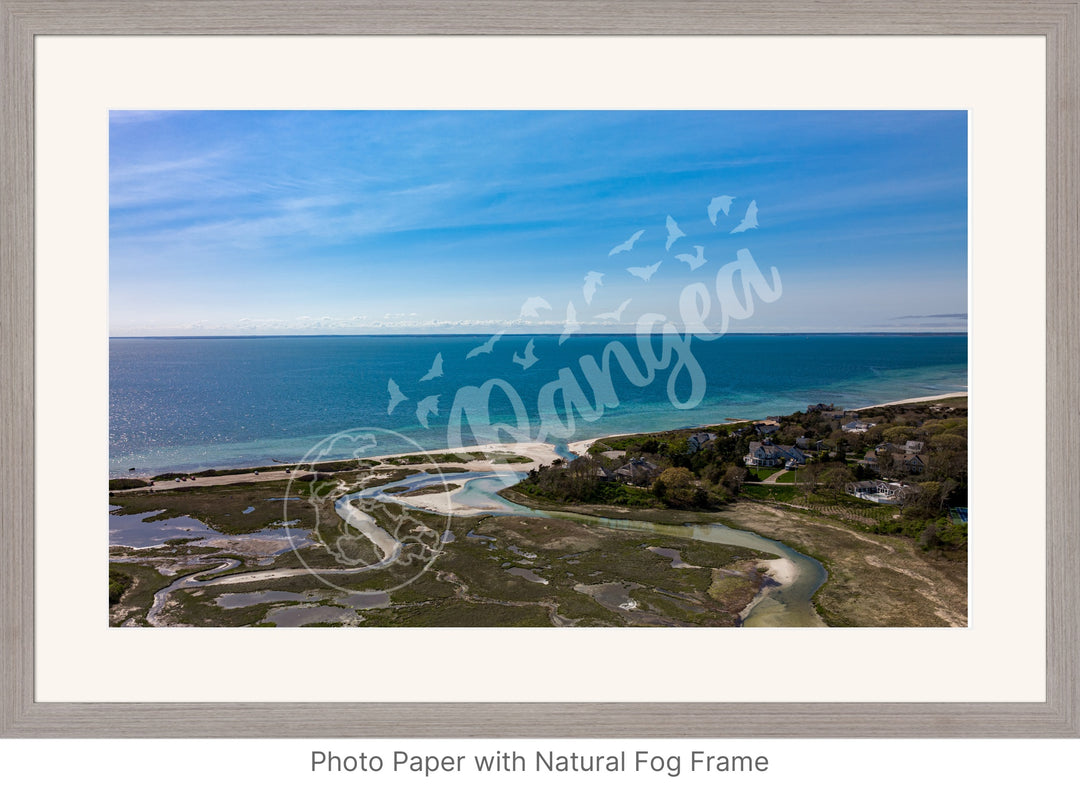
x=255 y=219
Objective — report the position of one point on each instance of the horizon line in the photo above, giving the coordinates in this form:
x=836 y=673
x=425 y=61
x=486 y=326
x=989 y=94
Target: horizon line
x=545 y=334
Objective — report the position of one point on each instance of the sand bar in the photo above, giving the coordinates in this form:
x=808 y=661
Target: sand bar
x=782 y=571
x=539 y=452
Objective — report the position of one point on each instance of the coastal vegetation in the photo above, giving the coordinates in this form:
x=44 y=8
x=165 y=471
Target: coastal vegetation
x=573 y=483
x=222 y=508
x=131 y=591
x=502 y=571
x=873 y=580
x=900 y=563
x=119 y=581
x=920 y=446
x=127 y=483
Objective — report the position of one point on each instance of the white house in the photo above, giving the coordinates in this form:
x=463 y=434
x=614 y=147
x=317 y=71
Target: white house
x=879 y=491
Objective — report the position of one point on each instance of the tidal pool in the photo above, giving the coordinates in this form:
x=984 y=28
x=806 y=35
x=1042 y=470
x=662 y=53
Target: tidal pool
x=303 y=615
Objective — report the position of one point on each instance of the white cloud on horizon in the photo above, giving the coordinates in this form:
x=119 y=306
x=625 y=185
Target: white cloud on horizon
x=303 y=326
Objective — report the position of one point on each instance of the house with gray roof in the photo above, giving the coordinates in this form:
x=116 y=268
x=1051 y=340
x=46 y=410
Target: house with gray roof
x=857 y=426
x=699 y=441
x=765 y=454
x=637 y=471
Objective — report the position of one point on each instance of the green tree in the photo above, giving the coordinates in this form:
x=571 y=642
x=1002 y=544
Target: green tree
x=898 y=434
x=835 y=476
x=948 y=456
x=677 y=487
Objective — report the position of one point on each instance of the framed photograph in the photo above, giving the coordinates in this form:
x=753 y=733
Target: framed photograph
x=508 y=351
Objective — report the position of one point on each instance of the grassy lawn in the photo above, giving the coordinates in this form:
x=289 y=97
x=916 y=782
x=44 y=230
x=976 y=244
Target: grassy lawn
x=759 y=492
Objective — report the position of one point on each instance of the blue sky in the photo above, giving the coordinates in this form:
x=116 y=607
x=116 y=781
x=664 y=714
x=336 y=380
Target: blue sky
x=251 y=222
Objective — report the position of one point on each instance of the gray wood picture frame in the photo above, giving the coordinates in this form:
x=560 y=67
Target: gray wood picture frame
x=22 y=20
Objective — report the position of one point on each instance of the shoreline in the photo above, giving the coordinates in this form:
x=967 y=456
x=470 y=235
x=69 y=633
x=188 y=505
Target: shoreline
x=581 y=447
x=542 y=453
x=821 y=538
x=539 y=453
x=928 y=399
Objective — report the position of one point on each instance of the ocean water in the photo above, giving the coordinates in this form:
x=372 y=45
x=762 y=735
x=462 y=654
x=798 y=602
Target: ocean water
x=193 y=403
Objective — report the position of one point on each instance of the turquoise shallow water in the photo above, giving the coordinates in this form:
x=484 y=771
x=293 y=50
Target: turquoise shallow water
x=193 y=403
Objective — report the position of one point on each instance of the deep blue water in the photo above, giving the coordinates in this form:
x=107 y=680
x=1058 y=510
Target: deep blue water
x=193 y=403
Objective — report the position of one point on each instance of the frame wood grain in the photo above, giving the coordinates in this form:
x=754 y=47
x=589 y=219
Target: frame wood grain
x=22 y=20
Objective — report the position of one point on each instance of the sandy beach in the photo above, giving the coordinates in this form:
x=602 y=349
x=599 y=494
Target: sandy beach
x=914 y=400
x=540 y=453
x=582 y=447
x=443 y=504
